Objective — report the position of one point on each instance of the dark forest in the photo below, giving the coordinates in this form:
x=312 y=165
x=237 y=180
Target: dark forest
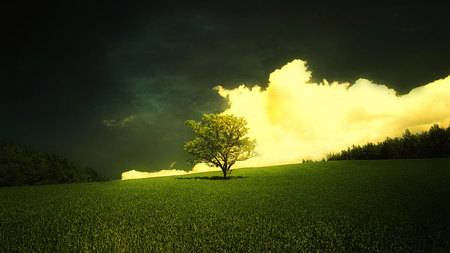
x=434 y=143
x=23 y=166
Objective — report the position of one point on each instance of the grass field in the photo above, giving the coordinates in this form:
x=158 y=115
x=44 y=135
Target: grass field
x=390 y=205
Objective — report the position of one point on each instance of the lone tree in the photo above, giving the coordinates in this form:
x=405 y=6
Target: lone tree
x=220 y=141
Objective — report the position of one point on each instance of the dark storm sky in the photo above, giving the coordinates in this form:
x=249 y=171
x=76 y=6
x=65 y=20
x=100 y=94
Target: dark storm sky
x=110 y=84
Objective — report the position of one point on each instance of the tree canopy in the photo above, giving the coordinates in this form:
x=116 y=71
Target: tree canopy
x=220 y=141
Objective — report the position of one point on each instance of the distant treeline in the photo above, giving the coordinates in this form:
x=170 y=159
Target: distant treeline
x=19 y=166
x=434 y=143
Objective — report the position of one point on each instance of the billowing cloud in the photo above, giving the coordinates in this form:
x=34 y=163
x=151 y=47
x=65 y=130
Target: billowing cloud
x=294 y=118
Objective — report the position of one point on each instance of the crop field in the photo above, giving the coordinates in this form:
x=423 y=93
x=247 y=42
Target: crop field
x=388 y=205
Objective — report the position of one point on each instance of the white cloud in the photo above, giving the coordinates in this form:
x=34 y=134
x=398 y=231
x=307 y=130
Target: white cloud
x=118 y=123
x=295 y=119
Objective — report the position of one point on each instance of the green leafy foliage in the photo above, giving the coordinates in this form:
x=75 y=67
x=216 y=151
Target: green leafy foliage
x=20 y=166
x=338 y=206
x=434 y=143
x=220 y=141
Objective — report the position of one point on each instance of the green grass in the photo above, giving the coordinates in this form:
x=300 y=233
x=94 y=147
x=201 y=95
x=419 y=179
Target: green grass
x=333 y=206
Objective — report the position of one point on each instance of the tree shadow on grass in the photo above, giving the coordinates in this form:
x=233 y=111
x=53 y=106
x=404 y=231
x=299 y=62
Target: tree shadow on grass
x=213 y=178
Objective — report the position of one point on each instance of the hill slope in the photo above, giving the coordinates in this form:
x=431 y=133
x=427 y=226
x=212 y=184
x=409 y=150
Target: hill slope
x=386 y=205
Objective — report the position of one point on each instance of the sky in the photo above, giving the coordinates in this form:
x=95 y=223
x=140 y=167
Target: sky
x=110 y=84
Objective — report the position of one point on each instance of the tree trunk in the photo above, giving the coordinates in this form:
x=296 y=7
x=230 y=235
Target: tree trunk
x=224 y=170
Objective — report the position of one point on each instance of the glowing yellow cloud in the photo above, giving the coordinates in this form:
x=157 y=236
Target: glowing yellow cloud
x=295 y=119
x=133 y=174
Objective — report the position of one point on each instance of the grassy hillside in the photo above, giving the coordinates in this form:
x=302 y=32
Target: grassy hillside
x=386 y=205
